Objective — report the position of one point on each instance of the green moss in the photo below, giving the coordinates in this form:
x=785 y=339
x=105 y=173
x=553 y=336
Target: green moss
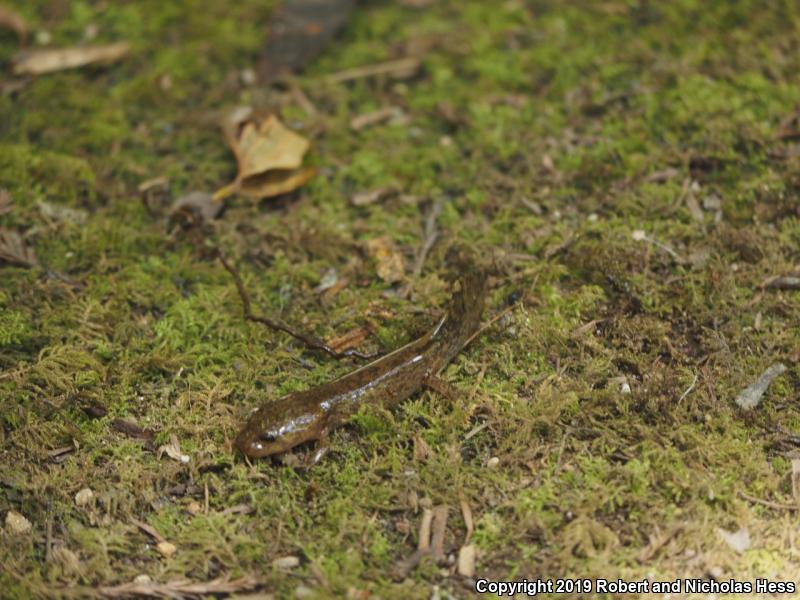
x=602 y=115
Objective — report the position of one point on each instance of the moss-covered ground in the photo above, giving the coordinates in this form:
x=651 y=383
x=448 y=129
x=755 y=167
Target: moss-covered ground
x=627 y=164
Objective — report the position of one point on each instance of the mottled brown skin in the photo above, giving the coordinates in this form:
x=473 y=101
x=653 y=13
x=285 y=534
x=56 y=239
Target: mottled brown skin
x=311 y=414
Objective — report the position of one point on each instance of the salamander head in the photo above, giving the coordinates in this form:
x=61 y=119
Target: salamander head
x=280 y=426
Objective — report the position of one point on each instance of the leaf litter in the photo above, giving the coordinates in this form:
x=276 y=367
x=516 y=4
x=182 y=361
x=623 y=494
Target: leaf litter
x=14 y=250
x=269 y=156
x=51 y=60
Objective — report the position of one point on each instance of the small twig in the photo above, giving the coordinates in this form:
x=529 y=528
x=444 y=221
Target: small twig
x=689 y=389
x=179 y=588
x=301 y=98
x=149 y=530
x=308 y=340
x=430 y=235
x=491 y=322
x=424 y=542
x=48 y=544
x=403 y=67
x=768 y=503
x=466 y=513
x=440 y=514
x=641 y=236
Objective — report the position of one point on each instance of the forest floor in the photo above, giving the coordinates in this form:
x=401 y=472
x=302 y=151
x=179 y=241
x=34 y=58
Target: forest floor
x=633 y=169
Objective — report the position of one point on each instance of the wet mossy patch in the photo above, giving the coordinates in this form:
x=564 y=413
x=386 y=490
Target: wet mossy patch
x=620 y=163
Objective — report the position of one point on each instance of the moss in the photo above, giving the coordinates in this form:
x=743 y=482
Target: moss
x=597 y=116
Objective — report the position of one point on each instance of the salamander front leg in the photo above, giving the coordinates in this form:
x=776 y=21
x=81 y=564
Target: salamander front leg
x=320 y=450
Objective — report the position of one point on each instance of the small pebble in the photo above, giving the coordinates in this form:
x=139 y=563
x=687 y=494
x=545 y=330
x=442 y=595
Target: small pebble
x=286 y=562
x=43 y=37
x=303 y=591
x=142 y=579
x=625 y=388
x=84 y=497
x=493 y=462
x=166 y=549
x=248 y=76
x=16 y=523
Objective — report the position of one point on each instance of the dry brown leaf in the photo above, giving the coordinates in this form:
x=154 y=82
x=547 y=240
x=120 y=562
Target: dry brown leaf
x=39 y=62
x=14 y=250
x=276 y=183
x=269 y=156
x=422 y=451
x=11 y=20
x=391 y=264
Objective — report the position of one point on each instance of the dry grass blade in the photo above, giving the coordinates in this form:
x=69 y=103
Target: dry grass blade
x=39 y=62
x=400 y=69
x=14 y=250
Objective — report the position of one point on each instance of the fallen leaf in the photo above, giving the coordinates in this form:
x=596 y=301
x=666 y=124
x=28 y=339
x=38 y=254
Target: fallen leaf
x=738 y=541
x=422 y=451
x=299 y=30
x=39 y=62
x=14 y=250
x=391 y=265
x=269 y=156
x=11 y=20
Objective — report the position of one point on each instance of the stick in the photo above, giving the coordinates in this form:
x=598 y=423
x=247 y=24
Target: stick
x=308 y=340
x=491 y=322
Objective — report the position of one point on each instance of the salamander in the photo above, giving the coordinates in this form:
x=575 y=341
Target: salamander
x=303 y=416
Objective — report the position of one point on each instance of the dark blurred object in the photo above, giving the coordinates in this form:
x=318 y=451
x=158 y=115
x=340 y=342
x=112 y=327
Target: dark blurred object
x=299 y=30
